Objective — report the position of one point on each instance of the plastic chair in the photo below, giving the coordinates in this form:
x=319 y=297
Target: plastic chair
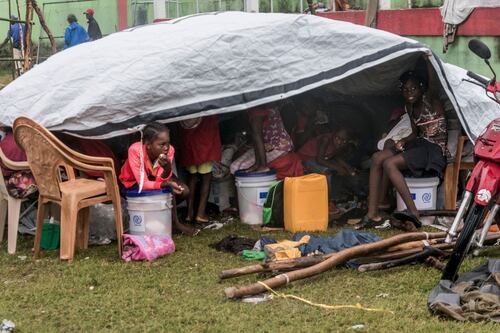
x=10 y=207
x=49 y=160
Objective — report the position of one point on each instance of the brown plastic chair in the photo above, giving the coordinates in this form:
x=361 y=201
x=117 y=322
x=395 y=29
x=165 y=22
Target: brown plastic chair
x=10 y=207
x=48 y=157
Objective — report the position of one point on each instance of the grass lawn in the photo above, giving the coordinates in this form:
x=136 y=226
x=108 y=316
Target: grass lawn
x=5 y=78
x=181 y=293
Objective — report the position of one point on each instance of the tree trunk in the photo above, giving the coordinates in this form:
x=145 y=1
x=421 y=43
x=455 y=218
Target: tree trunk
x=41 y=18
x=29 y=29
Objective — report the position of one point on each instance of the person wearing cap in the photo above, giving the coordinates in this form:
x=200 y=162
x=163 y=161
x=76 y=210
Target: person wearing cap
x=75 y=34
x=16 y=33
x=93 y=30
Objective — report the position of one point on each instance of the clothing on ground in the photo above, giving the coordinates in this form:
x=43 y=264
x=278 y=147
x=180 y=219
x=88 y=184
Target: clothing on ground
x=75 y=34
x=474 y=296
x=234 y=244
x=201 y=143
x=131 y=171
x=286 y=249
x=94 y=31
x=344 y=239
x=253 y=255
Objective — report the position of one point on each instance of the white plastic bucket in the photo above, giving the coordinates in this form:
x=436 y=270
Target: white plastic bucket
x=424 y=194
x=150 y=212
x=252 y=191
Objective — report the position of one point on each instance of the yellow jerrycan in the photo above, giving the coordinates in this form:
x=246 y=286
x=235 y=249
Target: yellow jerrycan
x=306 y=203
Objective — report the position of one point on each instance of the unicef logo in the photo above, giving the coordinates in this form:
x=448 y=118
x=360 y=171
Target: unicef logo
x=426 y=197
x=137 y=220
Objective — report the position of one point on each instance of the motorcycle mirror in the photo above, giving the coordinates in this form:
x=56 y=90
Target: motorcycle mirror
x=480 y=49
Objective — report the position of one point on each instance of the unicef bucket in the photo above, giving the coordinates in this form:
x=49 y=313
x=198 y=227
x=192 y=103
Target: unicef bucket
x=150 y=212
x=252 y=191
x=423 y=192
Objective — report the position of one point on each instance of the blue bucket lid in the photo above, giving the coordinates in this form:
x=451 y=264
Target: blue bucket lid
x=241 y=173
x=135 y=192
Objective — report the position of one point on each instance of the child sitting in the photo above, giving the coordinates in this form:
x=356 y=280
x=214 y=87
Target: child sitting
x=322 y=155
x=149 y=167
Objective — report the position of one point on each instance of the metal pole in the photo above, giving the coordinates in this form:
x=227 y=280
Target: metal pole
x=301 y=6
x=272 y=6
x=197 y=6
x=177 y=8
x=220 y=5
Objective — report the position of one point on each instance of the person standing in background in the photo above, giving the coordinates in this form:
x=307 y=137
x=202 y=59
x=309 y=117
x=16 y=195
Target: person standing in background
x=93 y=30
x=75 y=34
x=200 y=148
x=16 y=33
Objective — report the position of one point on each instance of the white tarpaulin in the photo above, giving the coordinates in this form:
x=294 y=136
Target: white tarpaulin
x=216 y=63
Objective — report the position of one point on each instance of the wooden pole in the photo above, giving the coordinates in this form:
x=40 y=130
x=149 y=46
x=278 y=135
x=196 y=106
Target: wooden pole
x=335 y=260
x=41 y=18
x=428 y=251
x=29 y=28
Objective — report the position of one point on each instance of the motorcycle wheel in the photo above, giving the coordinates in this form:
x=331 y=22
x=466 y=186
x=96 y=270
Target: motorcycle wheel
x=474 y=217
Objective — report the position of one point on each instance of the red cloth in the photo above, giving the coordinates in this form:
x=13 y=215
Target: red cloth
x=396 y=114
x=91 y=148
x=310 y=149
x=288 y=165
x=201 y=144
x=131 y=171
x=12 y=151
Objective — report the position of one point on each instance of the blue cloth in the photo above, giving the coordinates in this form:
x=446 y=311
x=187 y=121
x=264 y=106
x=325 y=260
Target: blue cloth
x=75 y=34
x=15 y=33
x=344 y=239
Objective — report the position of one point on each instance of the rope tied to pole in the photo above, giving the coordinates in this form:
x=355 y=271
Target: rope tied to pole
x=358 y=306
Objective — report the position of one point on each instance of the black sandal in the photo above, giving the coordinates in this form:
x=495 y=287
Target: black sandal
x=367 y=222
x=405 y=215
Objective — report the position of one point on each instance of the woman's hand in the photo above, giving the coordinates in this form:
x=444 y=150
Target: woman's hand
x=163 y=161
x=176 y=188
x=400 y=145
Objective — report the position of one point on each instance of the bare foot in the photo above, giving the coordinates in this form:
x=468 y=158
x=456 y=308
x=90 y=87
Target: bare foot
x=186 y=230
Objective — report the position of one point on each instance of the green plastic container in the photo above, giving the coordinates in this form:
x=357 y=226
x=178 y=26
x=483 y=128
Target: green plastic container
x=51 y=233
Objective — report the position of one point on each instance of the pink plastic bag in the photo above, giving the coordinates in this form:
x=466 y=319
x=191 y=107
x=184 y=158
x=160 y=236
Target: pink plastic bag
x=146 y=247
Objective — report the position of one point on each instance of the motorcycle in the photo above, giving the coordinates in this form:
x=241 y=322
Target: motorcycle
x=481 y=200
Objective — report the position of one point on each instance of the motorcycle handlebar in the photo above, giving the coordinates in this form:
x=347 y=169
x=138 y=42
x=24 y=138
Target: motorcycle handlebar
x=478 y=78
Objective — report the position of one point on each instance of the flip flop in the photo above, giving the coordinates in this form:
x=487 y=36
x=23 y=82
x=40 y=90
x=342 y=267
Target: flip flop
x=366 y=222
x=405 y=215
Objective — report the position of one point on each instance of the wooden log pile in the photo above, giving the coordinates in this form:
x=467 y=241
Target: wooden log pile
x=398 y=250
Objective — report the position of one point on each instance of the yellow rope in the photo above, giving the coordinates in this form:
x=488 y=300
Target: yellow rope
x=324 y=306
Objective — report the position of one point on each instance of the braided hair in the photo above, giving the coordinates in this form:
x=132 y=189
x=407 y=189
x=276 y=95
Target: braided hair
x=152 y=130
x=412 y=75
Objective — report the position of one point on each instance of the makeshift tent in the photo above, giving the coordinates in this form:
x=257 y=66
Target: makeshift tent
x=217 y=63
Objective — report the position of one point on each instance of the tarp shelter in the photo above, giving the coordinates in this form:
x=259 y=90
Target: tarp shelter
x=217 y=63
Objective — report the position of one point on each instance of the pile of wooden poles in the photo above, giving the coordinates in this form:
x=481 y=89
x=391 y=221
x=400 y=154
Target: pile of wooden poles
x=394 y=251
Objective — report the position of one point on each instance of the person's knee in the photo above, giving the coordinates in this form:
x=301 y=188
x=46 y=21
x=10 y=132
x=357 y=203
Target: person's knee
x=377 y=159
x=389 y=166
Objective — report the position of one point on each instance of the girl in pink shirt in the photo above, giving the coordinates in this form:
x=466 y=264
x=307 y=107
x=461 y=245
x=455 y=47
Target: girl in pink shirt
x=149 y=167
